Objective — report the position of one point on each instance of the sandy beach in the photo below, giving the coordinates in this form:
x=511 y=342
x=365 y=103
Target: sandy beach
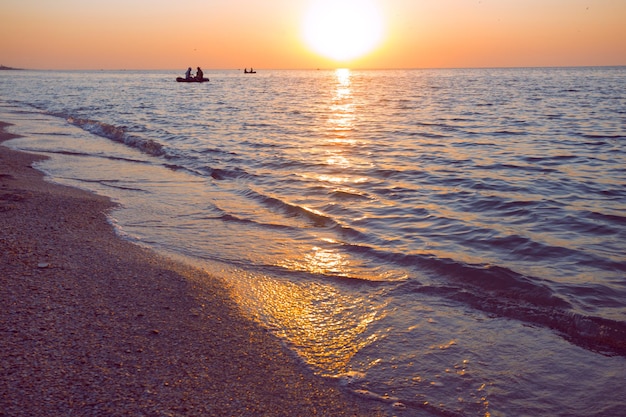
x=94 y=325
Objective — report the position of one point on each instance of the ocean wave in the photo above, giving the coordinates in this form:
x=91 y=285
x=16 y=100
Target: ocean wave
x=291 y=210
x=344 y=194
x=506 y=293
x=236 y=219
x=117 y=134
x=609 y=137
x=227 y=174
x=77 y=153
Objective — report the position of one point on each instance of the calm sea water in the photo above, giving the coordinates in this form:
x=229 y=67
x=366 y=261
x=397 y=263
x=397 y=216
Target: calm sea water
x=448 y=242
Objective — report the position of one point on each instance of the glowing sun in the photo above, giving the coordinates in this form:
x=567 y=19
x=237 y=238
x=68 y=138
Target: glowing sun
x=343 y=29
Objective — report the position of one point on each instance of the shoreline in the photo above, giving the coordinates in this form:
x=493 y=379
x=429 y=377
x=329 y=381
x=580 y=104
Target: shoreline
x=95 y=325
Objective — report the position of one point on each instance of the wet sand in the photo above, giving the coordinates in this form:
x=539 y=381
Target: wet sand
x=93 y=325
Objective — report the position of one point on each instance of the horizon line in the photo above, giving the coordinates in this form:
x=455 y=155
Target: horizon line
x=7 y=68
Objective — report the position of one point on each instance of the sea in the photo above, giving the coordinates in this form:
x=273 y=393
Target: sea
x=441 y=242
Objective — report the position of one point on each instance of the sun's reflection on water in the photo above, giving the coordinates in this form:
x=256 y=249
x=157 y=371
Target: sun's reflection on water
x=339 y=139
x=308 y=307
x=343 y=76
x=325 y=326
x=342 y=110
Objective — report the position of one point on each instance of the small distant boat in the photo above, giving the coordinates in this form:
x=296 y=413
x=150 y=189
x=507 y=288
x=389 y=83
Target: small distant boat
x=191 y=80
x=245 y=71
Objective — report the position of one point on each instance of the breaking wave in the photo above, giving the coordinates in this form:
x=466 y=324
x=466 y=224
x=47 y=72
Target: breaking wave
x=118 y=134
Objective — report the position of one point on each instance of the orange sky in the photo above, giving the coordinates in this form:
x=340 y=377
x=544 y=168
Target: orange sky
x=165 y=34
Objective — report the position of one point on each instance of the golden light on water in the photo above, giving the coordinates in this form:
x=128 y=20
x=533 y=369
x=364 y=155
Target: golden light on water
x=322 y=324
x=323 y=261
x=325 y=325
x=342 y=108
x=343 y=77
x=340 y=123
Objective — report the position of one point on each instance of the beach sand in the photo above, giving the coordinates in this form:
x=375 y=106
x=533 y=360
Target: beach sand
x=94 y=325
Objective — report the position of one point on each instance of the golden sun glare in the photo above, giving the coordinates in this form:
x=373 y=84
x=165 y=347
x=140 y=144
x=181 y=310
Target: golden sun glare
x=343 y=30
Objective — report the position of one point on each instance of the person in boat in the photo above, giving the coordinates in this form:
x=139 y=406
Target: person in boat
x=188 y=73
x=199 y=74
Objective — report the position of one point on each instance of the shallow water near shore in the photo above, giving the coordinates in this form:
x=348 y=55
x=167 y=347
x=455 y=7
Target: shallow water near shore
x=445 y=241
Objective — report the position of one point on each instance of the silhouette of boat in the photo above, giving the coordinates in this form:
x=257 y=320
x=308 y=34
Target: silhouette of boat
x=191 y=80
x=245 y=71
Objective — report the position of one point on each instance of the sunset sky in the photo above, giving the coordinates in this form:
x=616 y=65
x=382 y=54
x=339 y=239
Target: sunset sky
x=293 y=34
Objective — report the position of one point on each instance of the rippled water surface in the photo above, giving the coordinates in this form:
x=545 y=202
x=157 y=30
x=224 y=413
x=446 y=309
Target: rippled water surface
x=449 y=242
